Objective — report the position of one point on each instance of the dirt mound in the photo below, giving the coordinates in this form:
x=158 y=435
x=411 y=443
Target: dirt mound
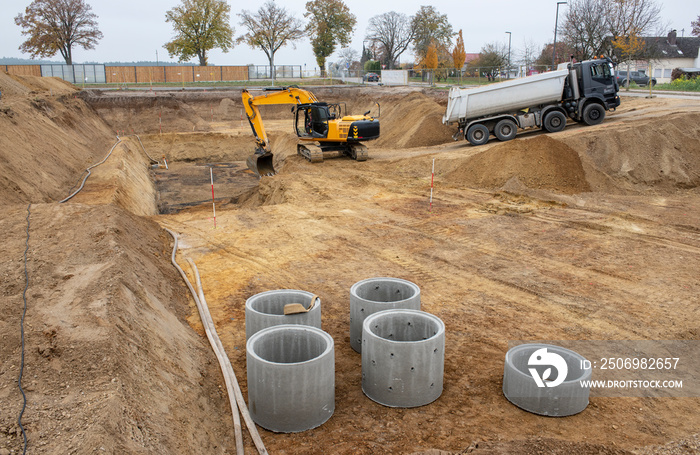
x=10 y=86
x=52 y=85
x=46 y=143
x=412 y=121
x=110 y=358
x=539 y=162
x=661 y=153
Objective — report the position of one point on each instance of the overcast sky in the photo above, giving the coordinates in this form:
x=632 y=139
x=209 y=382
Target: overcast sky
x=134 y=30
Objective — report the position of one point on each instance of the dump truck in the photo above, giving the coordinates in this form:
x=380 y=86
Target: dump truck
x=322 y=128
x=582 y=91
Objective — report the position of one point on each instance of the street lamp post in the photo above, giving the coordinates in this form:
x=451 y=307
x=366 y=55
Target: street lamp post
x=556 y=23
x=510 y=35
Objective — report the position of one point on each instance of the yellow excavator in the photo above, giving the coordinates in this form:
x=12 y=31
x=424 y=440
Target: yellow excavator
x=321 y=127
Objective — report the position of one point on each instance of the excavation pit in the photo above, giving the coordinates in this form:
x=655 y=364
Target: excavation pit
x=291 y=378
x=403 y=358
x=377 y=294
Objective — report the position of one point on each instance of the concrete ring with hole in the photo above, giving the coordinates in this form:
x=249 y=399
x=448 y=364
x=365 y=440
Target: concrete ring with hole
x=377 y=294
x=403 y=357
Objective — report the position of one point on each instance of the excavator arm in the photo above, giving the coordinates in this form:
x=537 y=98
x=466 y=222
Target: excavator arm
x=261 y=161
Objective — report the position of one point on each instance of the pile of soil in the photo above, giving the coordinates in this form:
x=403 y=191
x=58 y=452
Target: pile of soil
x=412 y=121
x=11 y=84
x=640 y=154
x=540 y=162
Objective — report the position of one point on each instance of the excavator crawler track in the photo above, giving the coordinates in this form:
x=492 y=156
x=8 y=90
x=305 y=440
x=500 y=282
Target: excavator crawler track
x=311 y=152
x=358 y=152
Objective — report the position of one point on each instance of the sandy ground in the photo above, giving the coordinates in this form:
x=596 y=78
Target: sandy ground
x=591 y=233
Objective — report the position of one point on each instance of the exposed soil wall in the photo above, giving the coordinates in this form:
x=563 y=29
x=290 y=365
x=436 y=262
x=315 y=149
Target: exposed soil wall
x=111 y=364
x=45 y=141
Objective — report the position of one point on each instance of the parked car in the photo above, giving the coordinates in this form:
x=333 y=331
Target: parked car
x=637 y=77
x=372 y=77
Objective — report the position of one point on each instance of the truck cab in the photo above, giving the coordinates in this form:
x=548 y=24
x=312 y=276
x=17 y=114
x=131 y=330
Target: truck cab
x=596 y=83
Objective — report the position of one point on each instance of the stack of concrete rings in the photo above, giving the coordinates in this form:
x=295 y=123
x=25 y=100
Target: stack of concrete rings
x=530 y=384
x=403 y=357
x=378 y=294
x=290 y=363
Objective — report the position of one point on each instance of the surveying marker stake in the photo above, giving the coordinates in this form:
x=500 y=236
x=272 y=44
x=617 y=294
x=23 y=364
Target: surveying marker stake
x=432 y=178
x=213 y=204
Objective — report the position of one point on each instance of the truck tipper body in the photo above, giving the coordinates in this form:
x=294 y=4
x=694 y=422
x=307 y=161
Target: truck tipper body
x=581 y=91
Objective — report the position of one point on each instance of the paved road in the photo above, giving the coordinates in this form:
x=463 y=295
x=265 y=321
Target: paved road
x=661 y=94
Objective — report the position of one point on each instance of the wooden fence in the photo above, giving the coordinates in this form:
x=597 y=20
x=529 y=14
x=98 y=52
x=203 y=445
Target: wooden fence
x=23 y=70
x=153 y=74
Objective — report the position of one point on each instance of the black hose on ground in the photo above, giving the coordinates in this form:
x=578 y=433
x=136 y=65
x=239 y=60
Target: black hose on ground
x=24 y=312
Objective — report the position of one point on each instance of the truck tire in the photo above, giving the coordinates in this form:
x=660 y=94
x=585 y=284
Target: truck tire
x=505 y=130
x=554 y=121
x=593 y=114
x=477 y=134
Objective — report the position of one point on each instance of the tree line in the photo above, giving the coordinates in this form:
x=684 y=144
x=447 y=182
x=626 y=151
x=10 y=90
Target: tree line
x=589 y=28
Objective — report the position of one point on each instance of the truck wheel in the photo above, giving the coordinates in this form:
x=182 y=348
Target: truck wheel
x=593 y=114
x=478 y=134
x=554 y=121
x=505 y=130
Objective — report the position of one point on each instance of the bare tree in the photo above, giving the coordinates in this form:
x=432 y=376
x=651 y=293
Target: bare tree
x=392 y=33
x=528 y=54
x=585 y=27
x=56 y=26
x=269 y=29
x=347 y=56
x=632 y=17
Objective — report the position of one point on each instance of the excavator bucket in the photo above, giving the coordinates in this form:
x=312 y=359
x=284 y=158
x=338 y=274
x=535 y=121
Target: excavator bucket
x=260 y=163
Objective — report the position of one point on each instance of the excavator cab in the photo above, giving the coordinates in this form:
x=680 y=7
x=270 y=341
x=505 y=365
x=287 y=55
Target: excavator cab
x=311 y=120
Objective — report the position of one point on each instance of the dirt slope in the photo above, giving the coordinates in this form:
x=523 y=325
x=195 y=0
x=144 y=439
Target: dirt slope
x=46 y=141
x=109 y=359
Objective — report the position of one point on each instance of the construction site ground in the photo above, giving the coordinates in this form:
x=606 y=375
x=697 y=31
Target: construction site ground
x=592 y=233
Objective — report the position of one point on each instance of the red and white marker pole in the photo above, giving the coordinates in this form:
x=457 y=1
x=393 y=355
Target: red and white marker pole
x=213 y=205
x=432 y=178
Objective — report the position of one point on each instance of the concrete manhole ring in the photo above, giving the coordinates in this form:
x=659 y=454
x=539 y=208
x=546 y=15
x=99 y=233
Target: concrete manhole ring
x=529 y=380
